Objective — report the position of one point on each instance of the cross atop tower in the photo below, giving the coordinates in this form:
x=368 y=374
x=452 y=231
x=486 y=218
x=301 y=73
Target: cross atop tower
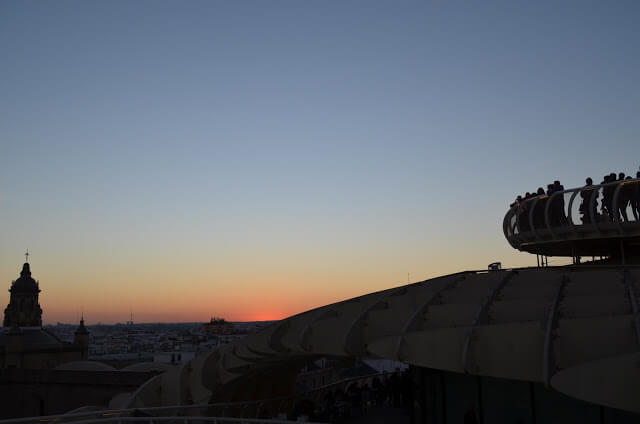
x=26 y=256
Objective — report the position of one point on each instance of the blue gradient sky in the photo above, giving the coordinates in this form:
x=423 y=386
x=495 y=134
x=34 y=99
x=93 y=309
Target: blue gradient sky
x=256 y=159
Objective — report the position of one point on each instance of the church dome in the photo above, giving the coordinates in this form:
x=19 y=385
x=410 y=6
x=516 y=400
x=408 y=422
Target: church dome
x=25 y=283
x=23 y=309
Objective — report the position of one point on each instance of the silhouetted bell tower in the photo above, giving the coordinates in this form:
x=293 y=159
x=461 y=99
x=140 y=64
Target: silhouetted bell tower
x=23 y=309
x=81 y=338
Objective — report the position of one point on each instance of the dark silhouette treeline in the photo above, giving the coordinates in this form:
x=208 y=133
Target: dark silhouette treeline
x=629 y=195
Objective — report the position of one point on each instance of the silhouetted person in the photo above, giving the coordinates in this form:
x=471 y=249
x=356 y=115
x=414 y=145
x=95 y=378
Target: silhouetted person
x=342 y=406
x=549 y=189
x=588 y=212
x=518 y=205
x=612 y=189
x=549 y=193
x=607 y=195
x=394 y=390
x=470 y=416
x=523 y=213
x=557 y=205
x=538 y=212
x=624 y=197
x=407 y=389
x=303 y=407
x=635 y=198
x=377 y=390
x=366 y=398
x=516 y=202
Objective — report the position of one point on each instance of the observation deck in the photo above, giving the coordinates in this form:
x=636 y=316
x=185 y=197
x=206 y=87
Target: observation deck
x=593 y=220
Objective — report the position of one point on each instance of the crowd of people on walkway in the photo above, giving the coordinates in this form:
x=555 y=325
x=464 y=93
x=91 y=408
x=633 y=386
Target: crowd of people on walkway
x=530 y=212
x=357 y=399
x=629 y=195
x=556 y=214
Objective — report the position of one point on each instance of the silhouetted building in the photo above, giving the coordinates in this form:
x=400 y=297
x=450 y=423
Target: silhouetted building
x=42 y=374
x=218 y=326
x=23 y=309
x=23 y=341
x=81 y=338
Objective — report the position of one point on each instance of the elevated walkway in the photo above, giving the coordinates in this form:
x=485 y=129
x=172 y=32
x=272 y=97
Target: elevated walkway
x=596 y=220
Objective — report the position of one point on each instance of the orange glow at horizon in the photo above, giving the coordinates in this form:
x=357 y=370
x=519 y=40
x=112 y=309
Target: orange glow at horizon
x=269 y=289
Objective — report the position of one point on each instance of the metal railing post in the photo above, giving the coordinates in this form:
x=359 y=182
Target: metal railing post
x=593 y=213
x=531 y=216
x=547 y=208
x=570 y=209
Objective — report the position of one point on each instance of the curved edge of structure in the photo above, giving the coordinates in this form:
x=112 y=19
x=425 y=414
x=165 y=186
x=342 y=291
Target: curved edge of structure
x=502 y=324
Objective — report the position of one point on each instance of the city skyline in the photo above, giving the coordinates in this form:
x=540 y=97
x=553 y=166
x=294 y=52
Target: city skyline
x=256 y=161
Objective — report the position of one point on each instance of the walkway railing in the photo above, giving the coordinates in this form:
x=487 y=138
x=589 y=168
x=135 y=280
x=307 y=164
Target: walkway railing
x=192 y=414
x=182 y=420
x=183 y=414
x=597 y=211
x=117 y=419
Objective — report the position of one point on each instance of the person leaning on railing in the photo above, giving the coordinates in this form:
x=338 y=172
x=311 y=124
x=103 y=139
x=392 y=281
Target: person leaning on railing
x=516 y=202
x=607 y=195
x=629 y=195
x=625 y=196
x=588 y=213
x=538 y=212
x=523 y=212
x=557 y=205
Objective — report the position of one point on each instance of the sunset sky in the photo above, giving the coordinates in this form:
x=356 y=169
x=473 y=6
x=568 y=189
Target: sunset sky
x=255 y=159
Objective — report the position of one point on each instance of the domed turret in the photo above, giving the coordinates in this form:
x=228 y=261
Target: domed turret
x=23 y=342
x=25 y=283
x=23 y=309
